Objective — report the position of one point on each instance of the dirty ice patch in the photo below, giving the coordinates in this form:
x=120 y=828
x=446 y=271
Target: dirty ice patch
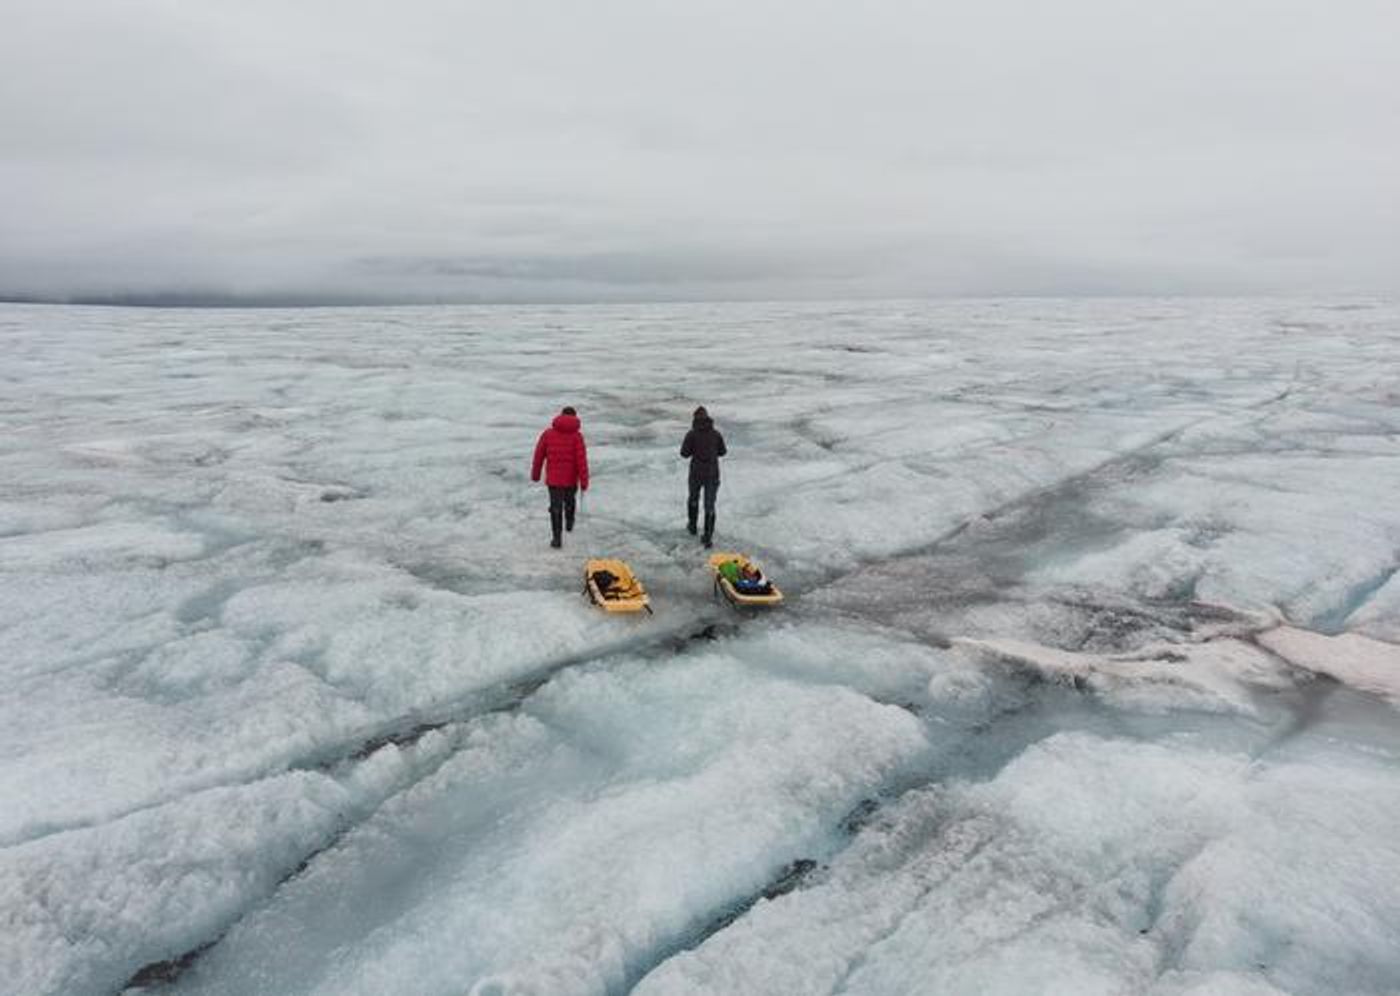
x=1300 y=531
x=571 y=844
x=1150 y=564
x=1369 y=665
x=1217 y=676
x=885 y=509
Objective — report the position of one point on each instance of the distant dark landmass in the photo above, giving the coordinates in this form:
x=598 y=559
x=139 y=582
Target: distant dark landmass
x=218 y=299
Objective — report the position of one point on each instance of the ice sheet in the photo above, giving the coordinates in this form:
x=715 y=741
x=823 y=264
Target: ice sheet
x=1091 y=865
x=297 y=698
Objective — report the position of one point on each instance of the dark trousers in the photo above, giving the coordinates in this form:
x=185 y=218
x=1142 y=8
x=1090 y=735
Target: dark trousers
x=561 y=508
x=692 y=504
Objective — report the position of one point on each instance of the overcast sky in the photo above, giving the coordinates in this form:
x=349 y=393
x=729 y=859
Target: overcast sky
x=586 y=149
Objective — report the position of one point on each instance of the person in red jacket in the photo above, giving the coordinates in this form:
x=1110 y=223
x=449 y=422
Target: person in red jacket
x=561 y=446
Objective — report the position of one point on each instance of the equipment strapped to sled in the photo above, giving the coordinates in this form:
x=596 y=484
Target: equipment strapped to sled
x=734 y=594
x=611 y=585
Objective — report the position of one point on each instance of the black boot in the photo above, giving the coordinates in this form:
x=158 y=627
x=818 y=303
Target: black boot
x=690 y=527
x=709 y=528
x=556 y=542
x=568 y=523
x=556 y=521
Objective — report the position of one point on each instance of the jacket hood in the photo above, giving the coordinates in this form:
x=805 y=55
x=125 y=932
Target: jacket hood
x=566 y=423
x=701 y=422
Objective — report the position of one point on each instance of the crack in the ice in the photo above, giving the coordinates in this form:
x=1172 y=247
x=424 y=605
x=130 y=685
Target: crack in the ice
x=1353 y=601
x=841 y=985
x=966 y=763
x=514 y=694
x=406 y=729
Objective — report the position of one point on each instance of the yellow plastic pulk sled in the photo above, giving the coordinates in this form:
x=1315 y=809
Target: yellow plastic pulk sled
x=735 y=597
x=611 y=585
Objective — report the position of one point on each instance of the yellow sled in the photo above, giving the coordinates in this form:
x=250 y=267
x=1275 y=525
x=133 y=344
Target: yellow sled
x=625 y=594
x=736 y=597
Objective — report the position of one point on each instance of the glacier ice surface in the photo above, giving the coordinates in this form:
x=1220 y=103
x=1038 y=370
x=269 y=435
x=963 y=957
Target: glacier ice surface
x=1086 y=683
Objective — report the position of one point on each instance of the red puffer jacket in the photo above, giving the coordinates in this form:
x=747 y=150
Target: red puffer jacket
x=562 y=445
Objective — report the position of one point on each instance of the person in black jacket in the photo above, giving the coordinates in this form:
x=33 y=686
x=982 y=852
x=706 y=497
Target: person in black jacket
x=704 y=445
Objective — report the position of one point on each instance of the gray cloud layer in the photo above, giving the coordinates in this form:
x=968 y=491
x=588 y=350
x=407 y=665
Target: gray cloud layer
x=648 y=148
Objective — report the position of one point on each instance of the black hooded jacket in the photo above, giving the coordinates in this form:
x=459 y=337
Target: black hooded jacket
x=704 y=445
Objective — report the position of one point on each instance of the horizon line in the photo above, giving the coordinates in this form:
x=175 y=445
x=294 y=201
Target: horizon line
x=212 y=301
